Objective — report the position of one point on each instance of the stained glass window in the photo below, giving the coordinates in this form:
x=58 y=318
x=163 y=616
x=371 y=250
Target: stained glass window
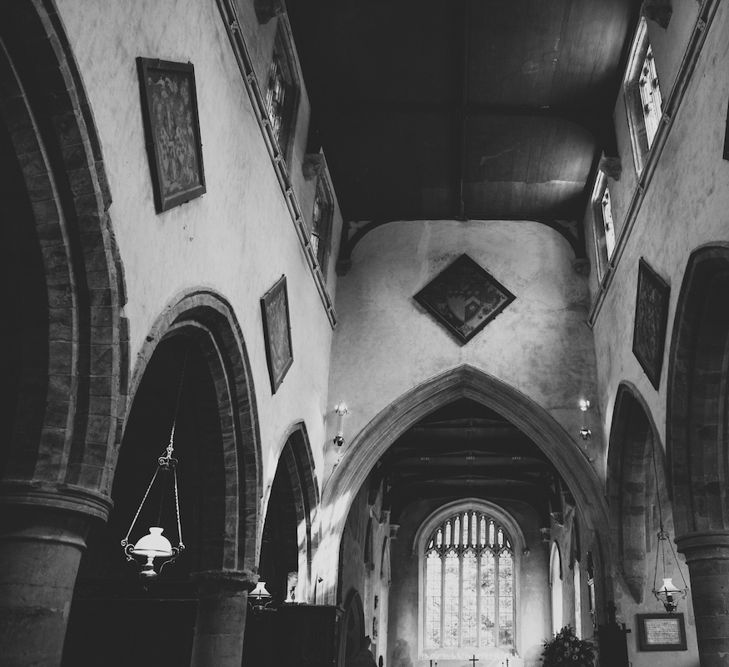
x=321 y=223
x=281 y=93
x=650 y=96
x=469 y=585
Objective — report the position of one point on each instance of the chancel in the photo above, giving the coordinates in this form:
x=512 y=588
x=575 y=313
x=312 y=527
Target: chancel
x=410 y=316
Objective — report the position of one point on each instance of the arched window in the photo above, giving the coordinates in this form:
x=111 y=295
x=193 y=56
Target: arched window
x=468 y=586
x=555 y=581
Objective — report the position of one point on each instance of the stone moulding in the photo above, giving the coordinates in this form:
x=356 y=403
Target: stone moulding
x=278 y=160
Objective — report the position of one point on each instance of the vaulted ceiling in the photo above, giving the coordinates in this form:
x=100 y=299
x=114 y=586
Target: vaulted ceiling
x=462 y=109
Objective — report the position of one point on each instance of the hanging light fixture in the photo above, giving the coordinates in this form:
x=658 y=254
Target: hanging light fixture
x=667 y=593
x=153 y=551
x=259 y=598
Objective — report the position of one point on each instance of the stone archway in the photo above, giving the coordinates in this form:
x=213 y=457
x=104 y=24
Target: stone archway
x=636 y=462
x=462 y=382
x=193 y=376
x=697 y=438
x=64 y=339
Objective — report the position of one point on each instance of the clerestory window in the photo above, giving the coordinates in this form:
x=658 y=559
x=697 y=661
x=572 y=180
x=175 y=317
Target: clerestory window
x=643 y=100
x=468 y=587
x=604 y=228
x=321 y=223
x=282 y=92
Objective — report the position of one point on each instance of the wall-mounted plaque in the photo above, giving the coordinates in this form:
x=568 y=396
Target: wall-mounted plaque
x=464 y=298
x=661 y=632
x=172 y=131
x=651 y=318
x=277 y=332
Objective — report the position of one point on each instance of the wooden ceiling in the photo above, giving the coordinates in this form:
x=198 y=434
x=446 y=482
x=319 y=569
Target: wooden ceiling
x=467 y=450
x=462 y=109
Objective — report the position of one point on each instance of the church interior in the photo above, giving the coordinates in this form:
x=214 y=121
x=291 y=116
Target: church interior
x=344 y=333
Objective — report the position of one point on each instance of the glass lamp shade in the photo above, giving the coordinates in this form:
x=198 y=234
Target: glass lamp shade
x=259 y=598
x=259 y=592
x=151 y=546
x=667 y=594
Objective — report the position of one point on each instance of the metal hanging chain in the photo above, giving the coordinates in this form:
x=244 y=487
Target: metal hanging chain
x=662 y=535
x=171 y=444
x=125 y=541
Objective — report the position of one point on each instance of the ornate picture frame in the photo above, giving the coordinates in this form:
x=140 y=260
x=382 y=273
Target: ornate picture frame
x=651 y=320
x=171 y=131
x=277 y=332
x=661 y=632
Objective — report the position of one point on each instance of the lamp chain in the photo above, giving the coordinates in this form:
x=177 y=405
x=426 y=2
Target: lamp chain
x=662 y=535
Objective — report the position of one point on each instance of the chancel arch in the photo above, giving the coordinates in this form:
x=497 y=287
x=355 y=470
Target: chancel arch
x=193 y=390
x=697 y=439
x=463 y=382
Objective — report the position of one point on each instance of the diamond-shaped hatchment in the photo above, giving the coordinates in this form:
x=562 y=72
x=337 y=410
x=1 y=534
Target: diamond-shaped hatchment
x=464 y=298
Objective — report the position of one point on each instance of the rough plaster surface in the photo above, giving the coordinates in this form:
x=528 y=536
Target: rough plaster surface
x=385 y=343
x=685 y=207
x=236 y=239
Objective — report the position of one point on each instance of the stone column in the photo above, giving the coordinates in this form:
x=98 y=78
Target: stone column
x=40 y=551
x=221 y=617
x=707 y=555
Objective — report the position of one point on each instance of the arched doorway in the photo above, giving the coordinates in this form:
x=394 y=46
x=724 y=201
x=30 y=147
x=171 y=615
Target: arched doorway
x=697 y=439
x=192 y=376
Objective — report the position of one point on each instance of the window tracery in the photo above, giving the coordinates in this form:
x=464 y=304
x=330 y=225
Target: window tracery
x=469 y=585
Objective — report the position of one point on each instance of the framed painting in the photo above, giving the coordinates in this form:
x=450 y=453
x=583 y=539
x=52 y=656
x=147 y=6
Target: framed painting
x=661 y=632
x=171 y=131
x=277 y=332
x=464 y=298
x=651 y=318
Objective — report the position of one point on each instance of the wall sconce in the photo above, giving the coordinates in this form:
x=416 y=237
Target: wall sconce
x=340 y=409
x=259 y=598
x=585 y=432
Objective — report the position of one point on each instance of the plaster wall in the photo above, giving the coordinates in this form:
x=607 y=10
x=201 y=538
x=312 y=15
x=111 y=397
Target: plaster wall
x=238 y=238
x=685 y=207
x=532 y=589
x=386 y=344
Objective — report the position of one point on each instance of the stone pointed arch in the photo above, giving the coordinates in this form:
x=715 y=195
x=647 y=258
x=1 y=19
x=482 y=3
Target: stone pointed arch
x=75 y=388
x=697 y=437
x=298 y=460
x=208 y=318
x=697 y=431
x=635 y=457
x=461 y=382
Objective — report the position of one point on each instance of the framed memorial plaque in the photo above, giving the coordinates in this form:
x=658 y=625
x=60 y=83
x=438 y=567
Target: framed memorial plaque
x=172 y=131
x=277 y=332
x=661 y=632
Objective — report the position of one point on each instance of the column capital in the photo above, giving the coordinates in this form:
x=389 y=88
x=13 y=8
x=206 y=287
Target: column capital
x=704 y=545
x=219 y=583
x=68 y=497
